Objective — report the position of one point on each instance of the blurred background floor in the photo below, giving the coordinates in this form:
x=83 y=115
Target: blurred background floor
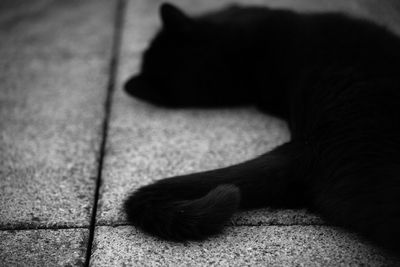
x=73 y=145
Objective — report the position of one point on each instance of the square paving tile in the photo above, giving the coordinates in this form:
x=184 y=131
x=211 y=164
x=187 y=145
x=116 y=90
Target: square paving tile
x=62 y=247
x=54 y=59
x=239 y=246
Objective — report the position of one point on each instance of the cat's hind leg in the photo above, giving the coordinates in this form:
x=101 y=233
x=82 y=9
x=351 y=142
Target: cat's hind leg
x=197 y=205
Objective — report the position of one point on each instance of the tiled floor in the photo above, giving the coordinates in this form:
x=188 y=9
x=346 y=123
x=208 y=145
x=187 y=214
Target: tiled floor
x=73 y=145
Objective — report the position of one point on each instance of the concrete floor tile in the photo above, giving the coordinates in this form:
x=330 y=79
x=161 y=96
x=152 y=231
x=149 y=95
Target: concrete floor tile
x=239 y=246
x=62 y=247
x=146 y=143
x=276 y=217
x=54 y=64
x=53 y=75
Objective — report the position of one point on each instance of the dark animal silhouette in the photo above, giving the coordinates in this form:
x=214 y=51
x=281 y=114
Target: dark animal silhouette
x=335 y=79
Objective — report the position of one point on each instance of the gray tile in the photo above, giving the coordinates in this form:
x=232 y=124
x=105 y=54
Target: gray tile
x=276 y=217
x=66 y=247
x=53 y=74
x=146 y=143
x=239 y=246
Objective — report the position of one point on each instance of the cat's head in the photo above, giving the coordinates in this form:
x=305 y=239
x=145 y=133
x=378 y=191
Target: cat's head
x=188 y=63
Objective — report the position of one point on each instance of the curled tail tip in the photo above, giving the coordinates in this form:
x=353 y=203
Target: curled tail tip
x=227 y=189
x=226 y=196
x=184 y=220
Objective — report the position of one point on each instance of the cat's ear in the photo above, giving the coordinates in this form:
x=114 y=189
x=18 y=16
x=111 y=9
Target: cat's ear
x=174 y=19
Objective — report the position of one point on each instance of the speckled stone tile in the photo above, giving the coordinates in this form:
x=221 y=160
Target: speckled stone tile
x=63 y=247
x=53 y=73
x=268 y=216
x=239 y=246
x=147 y=143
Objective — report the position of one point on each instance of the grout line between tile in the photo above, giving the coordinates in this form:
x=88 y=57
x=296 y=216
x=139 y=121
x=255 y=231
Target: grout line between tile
x=122 y=224
x=43 y=227
x=234 y=225
x=113 y=70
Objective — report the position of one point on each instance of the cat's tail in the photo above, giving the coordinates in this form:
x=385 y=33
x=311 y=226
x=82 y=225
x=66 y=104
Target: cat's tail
x=193 y=219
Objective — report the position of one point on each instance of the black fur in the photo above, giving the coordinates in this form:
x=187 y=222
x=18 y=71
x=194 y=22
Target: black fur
x=335 y=79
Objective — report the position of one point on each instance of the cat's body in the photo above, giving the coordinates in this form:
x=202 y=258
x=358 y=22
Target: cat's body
x=336 y=80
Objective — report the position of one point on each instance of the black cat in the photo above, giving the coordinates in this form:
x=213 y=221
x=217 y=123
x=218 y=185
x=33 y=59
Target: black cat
x=335 y=79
